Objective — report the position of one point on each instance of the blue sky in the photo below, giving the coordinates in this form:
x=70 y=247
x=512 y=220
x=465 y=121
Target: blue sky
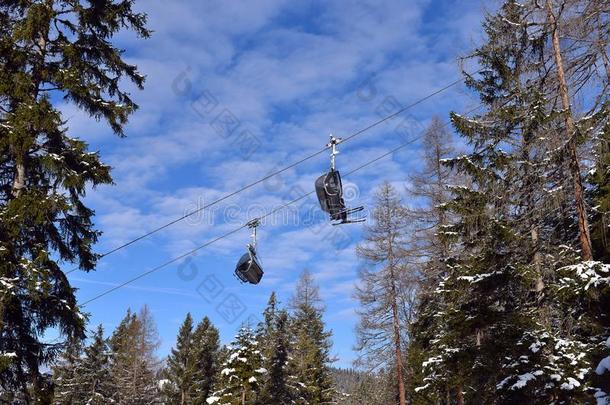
x=285 y=74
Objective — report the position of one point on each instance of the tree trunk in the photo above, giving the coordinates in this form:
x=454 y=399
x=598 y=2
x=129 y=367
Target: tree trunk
x=581 y=211
x=20 y=159
x=19 y=181
x=606 y=62
x=537 y=260
x=602 y=48
x=399 y=375
x=459 y=396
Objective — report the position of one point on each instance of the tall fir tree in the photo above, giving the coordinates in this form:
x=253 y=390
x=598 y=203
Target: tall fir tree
x=599 y=197
x=94 y=380
x=428 y=189
x=242 y=374
x=206 y=360
x=280 y=385
x=65 y=374
x=480 y=318
x=180 y=368
x=520 y=319
x=50 y=50
x=310 y=356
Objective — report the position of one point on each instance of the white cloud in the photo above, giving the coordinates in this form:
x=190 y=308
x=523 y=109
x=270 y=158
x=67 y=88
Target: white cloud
x=290 y=72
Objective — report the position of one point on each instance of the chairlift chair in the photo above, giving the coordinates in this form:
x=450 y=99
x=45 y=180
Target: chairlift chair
x=249 y=268
x=329 y=190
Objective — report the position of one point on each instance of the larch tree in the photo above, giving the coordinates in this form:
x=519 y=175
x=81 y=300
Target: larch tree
x=134 y=365
x=310 y=355
x=577 y=45
x=52 y=50
x=570 y=131
x=380 y=329
x=429 y=186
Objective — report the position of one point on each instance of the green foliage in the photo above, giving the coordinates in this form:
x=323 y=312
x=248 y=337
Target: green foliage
x=206 y=360
x=476 y=316
x=242 y=373
x=599 y=179
x=192 y=366
x=84 y=376
x=50 y=50
x=285 y=362
x=280 y=384
x=310 y=357
x=94 y=380
x=516 y=318
x=180 y=368
x=65 y=374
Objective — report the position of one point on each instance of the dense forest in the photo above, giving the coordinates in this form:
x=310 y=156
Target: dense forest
x=485 y=278
x=283 y=359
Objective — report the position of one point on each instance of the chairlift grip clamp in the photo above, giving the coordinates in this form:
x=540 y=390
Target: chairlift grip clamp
x=252 y=224
x=334 y=152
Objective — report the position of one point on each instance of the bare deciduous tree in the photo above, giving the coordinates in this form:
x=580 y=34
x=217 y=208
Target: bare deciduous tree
x=382 y=324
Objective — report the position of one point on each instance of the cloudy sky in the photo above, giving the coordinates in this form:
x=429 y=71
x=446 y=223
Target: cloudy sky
x=234 y=91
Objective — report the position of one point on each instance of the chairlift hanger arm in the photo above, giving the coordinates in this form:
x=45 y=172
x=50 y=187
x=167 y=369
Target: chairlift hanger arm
x=333 y=150
x=252 y=225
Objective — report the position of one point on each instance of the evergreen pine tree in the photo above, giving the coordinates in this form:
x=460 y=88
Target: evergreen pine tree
x=180 y=367
x=267 y=329
x=375 y=389
x=280 y=385
x=310 y=355
x=206 y=360
x=266 y=336
x=428 y=188
x=599 y=196
x=48 y=51
x=519 y=318
x=482 y=313
x=66 y=373
x=241 y=377
x=93 y=379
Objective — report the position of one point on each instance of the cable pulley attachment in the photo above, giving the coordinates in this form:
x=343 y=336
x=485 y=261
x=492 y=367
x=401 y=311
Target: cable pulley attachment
x=329 y=190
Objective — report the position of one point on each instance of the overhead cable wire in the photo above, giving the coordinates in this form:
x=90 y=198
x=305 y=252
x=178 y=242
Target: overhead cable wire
x=235 y=230
x=190 y=252
x=277 y=172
